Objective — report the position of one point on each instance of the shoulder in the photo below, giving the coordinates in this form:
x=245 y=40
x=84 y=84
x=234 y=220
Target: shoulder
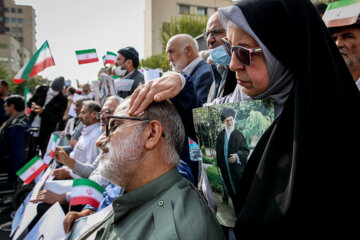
x=187 y=205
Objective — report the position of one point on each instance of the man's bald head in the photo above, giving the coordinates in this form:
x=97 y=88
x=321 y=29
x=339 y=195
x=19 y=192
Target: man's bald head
x=182 y=49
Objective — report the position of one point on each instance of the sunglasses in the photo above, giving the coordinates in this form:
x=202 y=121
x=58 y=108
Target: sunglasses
x=242 y=53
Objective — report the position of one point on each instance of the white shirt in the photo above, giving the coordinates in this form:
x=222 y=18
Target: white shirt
x=85 y=149
x=358 y=83
x=190 y=67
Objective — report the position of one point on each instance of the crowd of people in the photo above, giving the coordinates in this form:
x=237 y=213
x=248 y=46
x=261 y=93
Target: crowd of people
x=135 y=144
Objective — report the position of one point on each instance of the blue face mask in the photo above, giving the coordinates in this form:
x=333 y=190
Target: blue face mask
x=219 y=56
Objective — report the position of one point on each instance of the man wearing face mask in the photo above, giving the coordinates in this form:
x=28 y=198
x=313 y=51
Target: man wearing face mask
x=47 y=105
x=127 y=62
x=224 y=79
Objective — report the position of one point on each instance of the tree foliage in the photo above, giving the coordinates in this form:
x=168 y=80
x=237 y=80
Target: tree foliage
x=156 y=61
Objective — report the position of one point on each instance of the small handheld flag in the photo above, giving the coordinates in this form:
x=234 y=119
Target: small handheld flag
x=53 y=146
x=31 y=170
x=85 y=191
x=110 y=58
x=86 y=56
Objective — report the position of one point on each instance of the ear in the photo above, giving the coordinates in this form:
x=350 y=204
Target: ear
x=188 y=50
x=152 y=134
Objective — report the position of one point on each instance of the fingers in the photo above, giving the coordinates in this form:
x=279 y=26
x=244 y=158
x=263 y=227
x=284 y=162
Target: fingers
x=142 y=100
x=69 y=219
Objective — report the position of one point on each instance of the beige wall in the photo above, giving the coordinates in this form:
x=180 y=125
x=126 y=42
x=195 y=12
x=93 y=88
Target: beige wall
x=159 y=11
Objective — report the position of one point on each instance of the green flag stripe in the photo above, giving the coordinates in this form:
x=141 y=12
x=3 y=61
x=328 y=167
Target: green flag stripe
x=27 y=166
x=338 y=4
x=111 y=53
x=29 y=67
x=84 y=181
x=85 y=51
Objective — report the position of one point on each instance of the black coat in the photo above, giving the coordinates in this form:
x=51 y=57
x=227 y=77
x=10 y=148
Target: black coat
x=237 y=144
x=51 y=116
x=302 y=176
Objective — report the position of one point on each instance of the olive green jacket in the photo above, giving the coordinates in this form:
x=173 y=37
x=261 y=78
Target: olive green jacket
x=166 y=208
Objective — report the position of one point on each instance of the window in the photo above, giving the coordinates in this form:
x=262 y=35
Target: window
x=14 y=29
x=13 y=10
x=13 y=20
x=6 y=9
x=19 y=10
x=7 y=19
x=184 y=8
x=20 y=20
x=202 y=11
x=7 y=29
x=1 y=19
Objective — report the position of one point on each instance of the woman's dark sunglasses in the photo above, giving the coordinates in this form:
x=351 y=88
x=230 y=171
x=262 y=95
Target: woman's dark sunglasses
x=242 y=53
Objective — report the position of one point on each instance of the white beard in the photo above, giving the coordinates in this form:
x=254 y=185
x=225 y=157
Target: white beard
x=229 y=129
x=122 y=160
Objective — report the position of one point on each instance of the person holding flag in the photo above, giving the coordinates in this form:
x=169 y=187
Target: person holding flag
x=47 y=105
x=13 y=139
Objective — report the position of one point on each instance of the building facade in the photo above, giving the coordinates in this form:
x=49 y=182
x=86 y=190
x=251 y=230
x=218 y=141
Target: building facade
x=158 y=12
x=17 y=35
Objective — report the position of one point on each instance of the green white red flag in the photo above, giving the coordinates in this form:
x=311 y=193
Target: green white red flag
x=27 y=96
x=78 y=87
x=341 y=13
x=85 y=191
x=53 y=146
x=38 y=62
x=86 y=56
x=32 y=169
x=109 y=58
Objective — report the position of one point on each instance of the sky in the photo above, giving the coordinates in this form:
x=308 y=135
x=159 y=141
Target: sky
x=70 y=25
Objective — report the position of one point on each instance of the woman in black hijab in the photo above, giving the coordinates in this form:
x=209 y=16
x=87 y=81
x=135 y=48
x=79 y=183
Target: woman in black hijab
x=301 y=176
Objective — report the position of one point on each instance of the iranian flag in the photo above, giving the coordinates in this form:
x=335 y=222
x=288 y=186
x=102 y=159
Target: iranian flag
x=341 y=13
x=110 y=58
x=32 y=169
x=85 y=191
x=37 y=63
x=78 y=87
x=86 y=56
x=53 y=146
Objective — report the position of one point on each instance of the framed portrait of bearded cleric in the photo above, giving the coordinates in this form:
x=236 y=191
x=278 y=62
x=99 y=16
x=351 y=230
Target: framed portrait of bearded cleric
x=227 y=135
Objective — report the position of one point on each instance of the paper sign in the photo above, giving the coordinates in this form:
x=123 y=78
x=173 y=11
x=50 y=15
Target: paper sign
x=87 y=224
x=123 y=84
x=72 y=106
x=150 y=74
x=50 y=225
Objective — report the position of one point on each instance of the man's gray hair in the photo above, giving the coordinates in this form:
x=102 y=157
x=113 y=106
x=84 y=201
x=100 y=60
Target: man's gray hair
x=92 y=105
x=173 y=127
x=116 y=99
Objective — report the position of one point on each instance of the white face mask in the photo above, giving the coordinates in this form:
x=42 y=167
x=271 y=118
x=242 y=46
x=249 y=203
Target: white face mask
x=120 y=71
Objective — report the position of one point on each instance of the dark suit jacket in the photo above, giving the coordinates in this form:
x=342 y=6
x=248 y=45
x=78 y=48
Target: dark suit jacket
x=138 y=78
x=202 y=78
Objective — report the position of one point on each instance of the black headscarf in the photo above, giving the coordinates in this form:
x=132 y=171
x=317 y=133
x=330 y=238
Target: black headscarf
x=301 y=176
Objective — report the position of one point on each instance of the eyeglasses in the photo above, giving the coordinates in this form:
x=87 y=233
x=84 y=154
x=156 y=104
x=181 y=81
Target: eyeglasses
x=111 y=127
x=214 y=32
x=242 y=53
x=106 y=112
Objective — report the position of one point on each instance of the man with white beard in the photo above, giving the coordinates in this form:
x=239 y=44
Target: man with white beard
x=231 y=153
x=141 y=154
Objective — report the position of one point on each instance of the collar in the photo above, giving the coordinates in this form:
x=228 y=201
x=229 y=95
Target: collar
x=190 y=67
x=129 y=73
x=125 y=203
x=88 y=129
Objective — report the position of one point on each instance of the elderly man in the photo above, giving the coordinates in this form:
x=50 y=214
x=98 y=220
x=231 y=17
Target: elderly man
x=85 y=150
x=183 y=55
x=347 y=38
x=127 y=62
x=140 y=155
x=224 y=79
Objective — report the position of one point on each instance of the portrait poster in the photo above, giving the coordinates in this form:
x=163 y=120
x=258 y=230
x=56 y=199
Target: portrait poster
x=227 y=135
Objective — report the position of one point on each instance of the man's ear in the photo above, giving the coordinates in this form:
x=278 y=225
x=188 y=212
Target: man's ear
x=152 y=134
x=188 y=50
